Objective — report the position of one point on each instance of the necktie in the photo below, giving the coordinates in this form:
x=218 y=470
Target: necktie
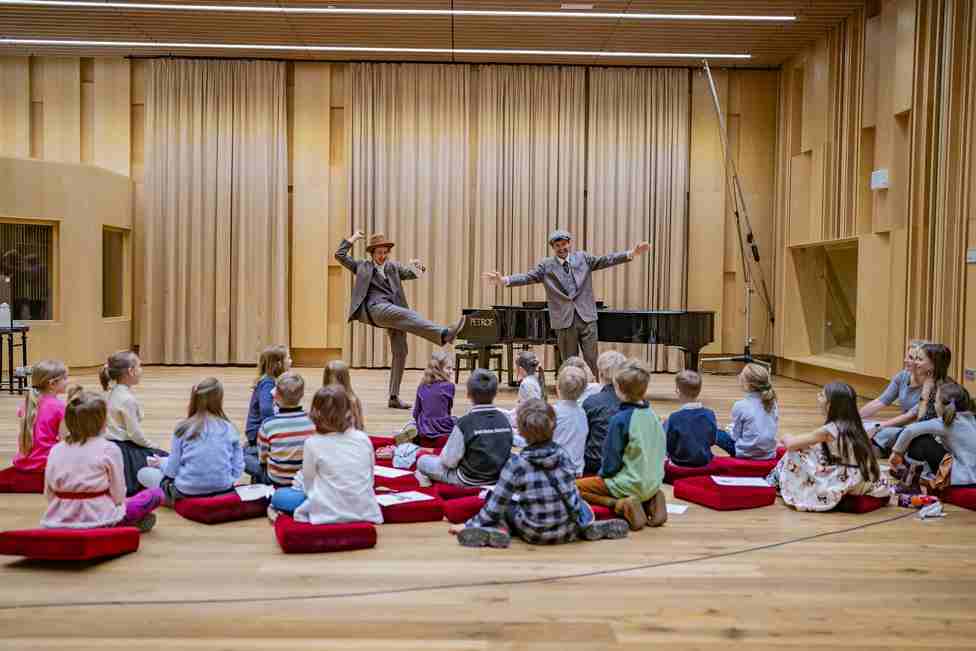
x=571 y=286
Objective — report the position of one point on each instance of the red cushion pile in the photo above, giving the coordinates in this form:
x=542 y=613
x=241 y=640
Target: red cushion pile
x=861 y=503
x=961 y=496
x=303 y=538
x=69 y=544
x=20 y=481
x=452 y=492
x=220 y=508
x=704 y=491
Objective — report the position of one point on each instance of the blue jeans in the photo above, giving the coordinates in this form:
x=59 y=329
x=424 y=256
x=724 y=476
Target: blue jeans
x=724 y=441
x=287 y=500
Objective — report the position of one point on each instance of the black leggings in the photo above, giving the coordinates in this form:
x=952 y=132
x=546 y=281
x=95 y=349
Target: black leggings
x=926 y=448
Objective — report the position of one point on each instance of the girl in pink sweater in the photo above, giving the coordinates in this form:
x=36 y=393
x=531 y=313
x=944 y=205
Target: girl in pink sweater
x=42 y=415
x=84 y=482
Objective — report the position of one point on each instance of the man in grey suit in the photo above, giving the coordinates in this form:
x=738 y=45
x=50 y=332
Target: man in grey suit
x=378 y=300
x=568 y=281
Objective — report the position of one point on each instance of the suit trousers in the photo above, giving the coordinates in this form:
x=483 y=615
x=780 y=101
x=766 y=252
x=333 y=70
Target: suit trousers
x=398 y=321
x=579 y=335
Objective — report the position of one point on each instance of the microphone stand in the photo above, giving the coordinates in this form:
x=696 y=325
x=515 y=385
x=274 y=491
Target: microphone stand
x=734 y=190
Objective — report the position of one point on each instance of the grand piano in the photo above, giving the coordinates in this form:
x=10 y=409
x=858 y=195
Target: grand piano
x=690 y=330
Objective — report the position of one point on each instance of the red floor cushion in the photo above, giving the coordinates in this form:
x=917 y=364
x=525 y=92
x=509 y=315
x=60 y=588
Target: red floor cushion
x=396 y=484
x=461 y=509
x=960 y=496
x=70 y=544
x=721 y=466
x=602 y=512
x=861 y=503
x=421 y=511
x=380 y=441
x=704 y=491
x=452 y=492
x=20 y=481
x=304 y=538
x=220 y=508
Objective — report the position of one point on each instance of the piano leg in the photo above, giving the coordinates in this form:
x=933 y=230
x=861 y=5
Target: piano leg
x=509 y=350
x=692 y=360
x=484 y=356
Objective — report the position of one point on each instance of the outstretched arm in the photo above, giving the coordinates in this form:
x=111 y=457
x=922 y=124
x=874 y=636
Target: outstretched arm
x=515 y=280
x=602 y=262
x=345 y=246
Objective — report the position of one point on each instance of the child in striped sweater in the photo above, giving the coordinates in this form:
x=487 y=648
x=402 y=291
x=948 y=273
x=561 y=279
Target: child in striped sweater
x=281 y=438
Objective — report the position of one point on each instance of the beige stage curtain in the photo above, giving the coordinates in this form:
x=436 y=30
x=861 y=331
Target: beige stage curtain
x=637 y=173
x=216 y=223
x=530 y=135
x=408 y=173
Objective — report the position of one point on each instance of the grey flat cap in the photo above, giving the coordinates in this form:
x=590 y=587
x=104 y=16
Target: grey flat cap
x=559 y=234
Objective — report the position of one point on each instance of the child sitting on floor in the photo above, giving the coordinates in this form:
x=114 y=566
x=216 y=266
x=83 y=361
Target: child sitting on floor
x=432 y=421
x=84 y=481
x=600 y=408
x=592 y=386
x=834 y=460
x=42 y=415
x=337 y=372
x=479 y=444
x=692 y=430
x=122 y=371
x=337 y=468
x=536 y=498
x=755 y=418
x=205 y=455
x=273 y=362
x=954 y=457
x=630 y=478
x=571 y=427
x=281 y=438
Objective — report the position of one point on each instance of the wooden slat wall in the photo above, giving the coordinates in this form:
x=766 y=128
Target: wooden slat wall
x=897 y=95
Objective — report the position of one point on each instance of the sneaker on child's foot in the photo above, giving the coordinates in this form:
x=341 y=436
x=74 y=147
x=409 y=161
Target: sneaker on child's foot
x=612 y=529
x=146 y=524
x=632 y=511
x=484 y=537
x=405 y=435
x=423 y=480
x=273 y=514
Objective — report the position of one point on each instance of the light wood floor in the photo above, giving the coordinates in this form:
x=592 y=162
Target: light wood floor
x=766 y=578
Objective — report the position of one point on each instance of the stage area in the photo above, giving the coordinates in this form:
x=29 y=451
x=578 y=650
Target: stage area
x=766 y=578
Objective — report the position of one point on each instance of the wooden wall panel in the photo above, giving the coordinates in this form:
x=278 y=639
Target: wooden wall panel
x=707 y=198
x=872 y=64
x=311 y=248
x=112 y=130
x=15 y=106
x=61 y=96
x=904 y=54
x=873 y=262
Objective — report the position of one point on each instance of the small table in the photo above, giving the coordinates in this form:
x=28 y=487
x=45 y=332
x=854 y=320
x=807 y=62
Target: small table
x=7 y=344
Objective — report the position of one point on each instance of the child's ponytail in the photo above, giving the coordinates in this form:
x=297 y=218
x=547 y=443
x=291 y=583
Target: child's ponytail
x=115 y=367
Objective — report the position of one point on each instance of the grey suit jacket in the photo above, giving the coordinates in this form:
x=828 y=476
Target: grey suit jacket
x=562 y=305
x=363 y=270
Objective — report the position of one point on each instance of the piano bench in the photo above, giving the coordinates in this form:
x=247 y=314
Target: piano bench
x=470 y=352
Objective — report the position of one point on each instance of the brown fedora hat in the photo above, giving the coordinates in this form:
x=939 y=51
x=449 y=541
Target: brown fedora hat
x=378 y=239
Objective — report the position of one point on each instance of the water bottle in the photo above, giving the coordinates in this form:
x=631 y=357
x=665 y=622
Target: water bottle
x=5 y=316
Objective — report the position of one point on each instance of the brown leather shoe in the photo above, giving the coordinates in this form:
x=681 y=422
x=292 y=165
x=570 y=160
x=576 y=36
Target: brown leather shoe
x=396 y=403
x=451 y=333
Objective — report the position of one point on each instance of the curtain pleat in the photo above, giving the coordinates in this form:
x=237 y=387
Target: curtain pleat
x=216 y=263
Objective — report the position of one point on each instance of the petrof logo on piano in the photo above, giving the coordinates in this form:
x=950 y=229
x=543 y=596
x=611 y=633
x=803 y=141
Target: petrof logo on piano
x=482 y=322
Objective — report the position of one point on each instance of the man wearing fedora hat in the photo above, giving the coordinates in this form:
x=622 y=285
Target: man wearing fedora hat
x=378 y=300
x=569 y=292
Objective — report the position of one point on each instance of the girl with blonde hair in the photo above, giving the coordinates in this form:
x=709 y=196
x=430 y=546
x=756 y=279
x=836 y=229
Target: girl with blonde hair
x=41 y=416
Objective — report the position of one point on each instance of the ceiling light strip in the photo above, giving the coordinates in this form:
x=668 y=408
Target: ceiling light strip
x=352 y=48
x=366 y=11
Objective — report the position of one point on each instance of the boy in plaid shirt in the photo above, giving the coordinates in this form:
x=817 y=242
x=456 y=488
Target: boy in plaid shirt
x=536 y=497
